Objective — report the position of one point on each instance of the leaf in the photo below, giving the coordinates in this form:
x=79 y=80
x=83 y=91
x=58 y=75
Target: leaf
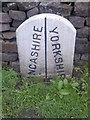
x=47 y=97
x=65 y=82
x=75 y=84
x=60 y=85
x=64 y=92
x=77 y=69
x=4 y=88
x=52 y=81
x=61 y=96
x=58 y=78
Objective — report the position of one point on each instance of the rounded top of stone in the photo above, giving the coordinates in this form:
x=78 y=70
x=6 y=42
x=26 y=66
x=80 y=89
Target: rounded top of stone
x=48 y=15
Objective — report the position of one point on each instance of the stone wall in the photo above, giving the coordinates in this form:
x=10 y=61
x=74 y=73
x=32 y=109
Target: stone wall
x=15 y=13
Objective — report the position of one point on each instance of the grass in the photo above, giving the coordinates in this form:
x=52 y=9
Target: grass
x=60 y=98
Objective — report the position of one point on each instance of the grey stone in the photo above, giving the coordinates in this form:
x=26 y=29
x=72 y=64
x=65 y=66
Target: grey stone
x=4 y=27
x=81 y=45
x=1 y=45
x=84 y=57
x=46 y=46
x=4 y=18
x=0 y=10
x=4 y=4
x=12 y=6
x=81 y=40
x=81 y=0
x=17 y=15
x=56 y=7
x=15 y=66
x=1 y=36
x=5 y=9
x=81 y=48
x=88 y=31
x=16 y=23
x=9 y=57
x=0 y=57
x=80 y=63
x=13 y=29
x=9 y=35
x=45 y=4
x=89 y=38
x=1 y=39
x=76 y=57
x=27 y=5
x=32 y=12
x=88 y=21
x=83 y=32
x=46 y=10
x=89 y=47
x=5 y=63
x=78 y=22
x=81 y=9
x=9 y=47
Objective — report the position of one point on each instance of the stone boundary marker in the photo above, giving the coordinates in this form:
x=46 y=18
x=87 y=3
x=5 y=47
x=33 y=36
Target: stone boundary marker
x=46 y=44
